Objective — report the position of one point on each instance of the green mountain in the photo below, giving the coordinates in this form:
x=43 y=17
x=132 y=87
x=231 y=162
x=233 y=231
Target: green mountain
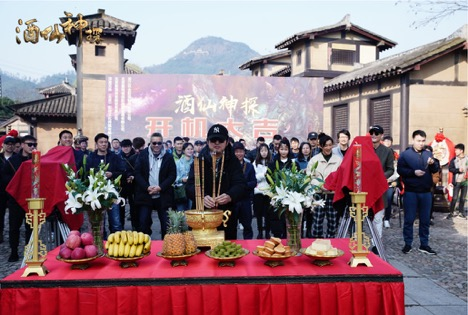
x=208 y=55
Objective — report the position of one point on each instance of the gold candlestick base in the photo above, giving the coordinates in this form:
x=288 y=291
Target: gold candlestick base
x=35 y=218
x=35 y=267
x=359 y=242
x=359 y=258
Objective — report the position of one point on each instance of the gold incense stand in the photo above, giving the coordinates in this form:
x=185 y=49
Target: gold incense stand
x=35 y=218
x=359 y=243
x=208 y=237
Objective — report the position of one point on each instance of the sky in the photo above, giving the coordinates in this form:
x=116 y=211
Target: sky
x=168 y=27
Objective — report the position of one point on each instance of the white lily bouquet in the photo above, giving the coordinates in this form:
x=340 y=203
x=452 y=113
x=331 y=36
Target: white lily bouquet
x=90 y=191
x=291 y=191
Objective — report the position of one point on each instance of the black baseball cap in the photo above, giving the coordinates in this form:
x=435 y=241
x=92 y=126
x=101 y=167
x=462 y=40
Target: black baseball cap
x=376 y=128
x=312 y=135
x=9 y=139
x=198 y=142
x=238 y=146
x=218 y=131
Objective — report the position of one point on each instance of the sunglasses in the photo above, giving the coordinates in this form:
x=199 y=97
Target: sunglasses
x=374 y=133
x=216 y=139
x=31 y=144
x=156 y=143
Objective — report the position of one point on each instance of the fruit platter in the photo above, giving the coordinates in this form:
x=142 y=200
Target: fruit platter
x=127 y=247
x=179 y=243
x=321 y=252
x=78 y=250
x=274 y=252
x=226 y=253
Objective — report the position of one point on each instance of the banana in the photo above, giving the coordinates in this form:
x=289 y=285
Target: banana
x=123 y=237
x=110 y=238
x=147 y=238
x=117 y=237
x=115 y=251
x=110 y=249
x=139 y=250
x=135 y=237
x=121 y=249
x=107 y=245
x=132 y=250
x=130 y=237
x=127 y=250
x=141 y=237
x=147 y=247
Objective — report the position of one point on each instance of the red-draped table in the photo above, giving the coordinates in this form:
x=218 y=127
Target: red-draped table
x=154 y=287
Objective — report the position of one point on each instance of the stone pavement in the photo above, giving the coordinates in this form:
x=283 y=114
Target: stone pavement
x=433 y=284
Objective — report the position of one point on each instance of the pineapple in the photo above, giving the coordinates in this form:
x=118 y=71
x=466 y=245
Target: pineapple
x=174 y=242
x=190 y=243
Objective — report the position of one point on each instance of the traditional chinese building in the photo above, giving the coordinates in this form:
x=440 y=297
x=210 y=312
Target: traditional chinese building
x=83 y=107
x=423 y=88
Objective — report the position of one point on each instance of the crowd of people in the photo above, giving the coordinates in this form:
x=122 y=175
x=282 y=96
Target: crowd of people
x=161 y=176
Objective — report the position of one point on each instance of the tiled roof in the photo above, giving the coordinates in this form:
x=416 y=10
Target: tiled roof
x=62 y=88
x=110 y=26
x=60 y=106
x=283 y=72
x=345 y=24
x=399 y=63
x=261 y=59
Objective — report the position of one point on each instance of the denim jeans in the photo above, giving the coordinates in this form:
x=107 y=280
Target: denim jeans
x=388 y=207
x=417 y=203
x=114 y=218
x=459 y=194
x=145 y=220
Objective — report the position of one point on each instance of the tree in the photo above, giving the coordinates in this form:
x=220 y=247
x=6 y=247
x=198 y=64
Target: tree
x=434 y=11
x=5 y=112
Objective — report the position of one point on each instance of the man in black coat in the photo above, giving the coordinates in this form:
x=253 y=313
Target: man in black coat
x=155 y=172
x=228 y=170
x=16 y=213
x=116 y=168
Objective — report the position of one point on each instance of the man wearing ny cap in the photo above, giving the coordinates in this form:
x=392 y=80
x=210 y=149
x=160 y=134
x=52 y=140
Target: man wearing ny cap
x=219 y=162
x=312 y=137
x=385 y=156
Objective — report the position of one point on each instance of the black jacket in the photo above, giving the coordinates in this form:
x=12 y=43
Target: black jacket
x=11 y=166
x=116 y=166
x=233 y=182
x=167 y=176
x=409 y=161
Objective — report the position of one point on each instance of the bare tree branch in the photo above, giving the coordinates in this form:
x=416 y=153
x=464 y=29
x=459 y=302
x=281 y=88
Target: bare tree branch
x=433 y=11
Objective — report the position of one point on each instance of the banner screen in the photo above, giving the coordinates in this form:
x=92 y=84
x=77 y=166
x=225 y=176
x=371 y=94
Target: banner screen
x=187 y=105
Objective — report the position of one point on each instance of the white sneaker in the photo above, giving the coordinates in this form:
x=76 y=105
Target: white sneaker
x=241 y=227
x=386 y=224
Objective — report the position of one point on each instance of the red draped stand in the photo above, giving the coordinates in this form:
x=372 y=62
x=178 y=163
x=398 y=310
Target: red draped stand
x=52 y=188
x=298 y=287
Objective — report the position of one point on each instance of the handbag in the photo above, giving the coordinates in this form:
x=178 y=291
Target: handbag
x=179 y=194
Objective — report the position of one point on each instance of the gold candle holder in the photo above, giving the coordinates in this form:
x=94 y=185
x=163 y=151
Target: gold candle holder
x=35 y=218
x=359 y=243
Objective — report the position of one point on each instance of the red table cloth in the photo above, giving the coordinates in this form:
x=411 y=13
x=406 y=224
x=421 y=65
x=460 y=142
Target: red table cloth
x=154 y=287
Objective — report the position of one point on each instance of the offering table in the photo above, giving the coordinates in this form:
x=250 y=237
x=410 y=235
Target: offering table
x=251 y=287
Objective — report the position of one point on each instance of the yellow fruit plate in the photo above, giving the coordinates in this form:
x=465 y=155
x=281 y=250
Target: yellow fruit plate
x=180 y=260
x=81 y=264
x=126 y=262
x=227 y=261
x=274 y=261
x=321 y=260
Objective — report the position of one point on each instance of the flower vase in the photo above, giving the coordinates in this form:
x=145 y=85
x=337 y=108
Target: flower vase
x=96 y=222
x=293 y=230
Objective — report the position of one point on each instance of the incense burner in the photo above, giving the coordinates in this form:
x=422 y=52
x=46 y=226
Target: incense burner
x=204 y=225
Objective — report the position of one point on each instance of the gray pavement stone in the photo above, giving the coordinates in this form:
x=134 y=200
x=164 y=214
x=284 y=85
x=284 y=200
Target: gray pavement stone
x=452 y=310
x=424 y=292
